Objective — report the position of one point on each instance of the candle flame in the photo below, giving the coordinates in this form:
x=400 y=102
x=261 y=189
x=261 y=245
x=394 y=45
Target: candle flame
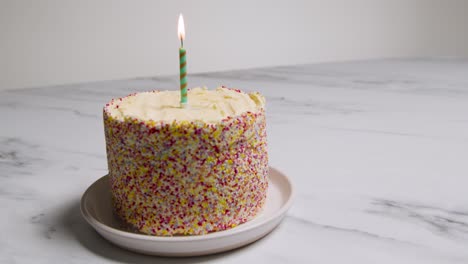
x=181 y=31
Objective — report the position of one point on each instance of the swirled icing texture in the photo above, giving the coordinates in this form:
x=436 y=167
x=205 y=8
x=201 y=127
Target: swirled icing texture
x=205 y=105
x=187 y=177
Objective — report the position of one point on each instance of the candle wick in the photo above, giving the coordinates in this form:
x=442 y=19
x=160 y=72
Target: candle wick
x=181 y=42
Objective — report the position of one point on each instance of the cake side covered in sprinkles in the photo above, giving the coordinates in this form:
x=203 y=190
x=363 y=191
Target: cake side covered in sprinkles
x=176 y=171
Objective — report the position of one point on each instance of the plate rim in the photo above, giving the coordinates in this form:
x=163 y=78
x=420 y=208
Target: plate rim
x=96 y=224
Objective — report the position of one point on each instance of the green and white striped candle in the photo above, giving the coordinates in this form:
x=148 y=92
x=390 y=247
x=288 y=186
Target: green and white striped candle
x=183 y=64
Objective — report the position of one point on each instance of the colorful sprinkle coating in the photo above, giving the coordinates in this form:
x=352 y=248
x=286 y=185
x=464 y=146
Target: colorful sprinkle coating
x=187 y=178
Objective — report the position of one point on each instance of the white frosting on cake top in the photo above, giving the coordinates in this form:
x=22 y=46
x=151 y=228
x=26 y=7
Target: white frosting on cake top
x=210 y=106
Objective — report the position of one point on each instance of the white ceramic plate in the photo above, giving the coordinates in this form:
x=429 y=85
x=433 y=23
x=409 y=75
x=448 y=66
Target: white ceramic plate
x=96 y=208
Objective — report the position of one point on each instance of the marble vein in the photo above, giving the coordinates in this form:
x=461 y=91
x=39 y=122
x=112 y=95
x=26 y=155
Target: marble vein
x=443 y=222
x=346 y=230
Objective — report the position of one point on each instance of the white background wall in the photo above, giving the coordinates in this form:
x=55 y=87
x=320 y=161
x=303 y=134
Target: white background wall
x=61 y=41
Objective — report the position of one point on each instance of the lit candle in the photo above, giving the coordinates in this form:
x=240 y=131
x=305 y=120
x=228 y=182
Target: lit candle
x=183 y=64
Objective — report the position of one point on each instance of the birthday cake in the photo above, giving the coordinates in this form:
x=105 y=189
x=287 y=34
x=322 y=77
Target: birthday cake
x=187 y=171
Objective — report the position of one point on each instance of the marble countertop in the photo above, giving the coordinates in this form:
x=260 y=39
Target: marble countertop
x=377 y=151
